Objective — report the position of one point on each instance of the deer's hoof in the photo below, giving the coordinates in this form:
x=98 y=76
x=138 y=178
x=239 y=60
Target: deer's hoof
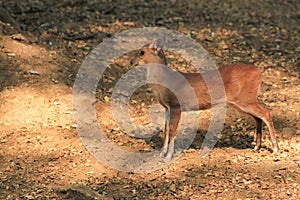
x=256 y=148
x=275 y=149
x=163 y=153
x=169 y=157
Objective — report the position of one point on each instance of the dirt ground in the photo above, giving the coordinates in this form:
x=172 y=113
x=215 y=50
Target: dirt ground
x=41 y=154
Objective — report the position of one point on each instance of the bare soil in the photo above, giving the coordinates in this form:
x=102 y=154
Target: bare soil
x=41 y=50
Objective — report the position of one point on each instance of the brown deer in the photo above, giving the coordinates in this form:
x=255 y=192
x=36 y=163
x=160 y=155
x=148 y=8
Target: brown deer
x=241 y=84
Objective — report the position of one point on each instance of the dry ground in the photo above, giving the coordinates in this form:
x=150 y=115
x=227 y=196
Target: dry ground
x=41 y=155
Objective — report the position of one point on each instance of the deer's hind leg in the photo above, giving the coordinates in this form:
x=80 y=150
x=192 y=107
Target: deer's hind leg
x=260 y=115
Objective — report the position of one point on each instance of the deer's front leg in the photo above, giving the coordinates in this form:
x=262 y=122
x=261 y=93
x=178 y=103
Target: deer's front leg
x=175 y=115
x=167 y=133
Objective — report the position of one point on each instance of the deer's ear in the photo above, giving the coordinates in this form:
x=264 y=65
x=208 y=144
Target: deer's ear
x=158 y=44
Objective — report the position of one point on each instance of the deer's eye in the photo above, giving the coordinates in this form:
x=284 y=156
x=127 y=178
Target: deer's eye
x=141 y=53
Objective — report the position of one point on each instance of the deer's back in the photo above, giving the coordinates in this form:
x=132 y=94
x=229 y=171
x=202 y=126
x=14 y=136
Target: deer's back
x=237 y=81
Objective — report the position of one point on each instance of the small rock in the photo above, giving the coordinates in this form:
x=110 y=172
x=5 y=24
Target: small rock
x=81 y=192
x=34 y=72
x=173 y=187
x=11 y=54
x=287 y=132
x=19 y=37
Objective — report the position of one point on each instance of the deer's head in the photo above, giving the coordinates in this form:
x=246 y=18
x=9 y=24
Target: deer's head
x=150 y=53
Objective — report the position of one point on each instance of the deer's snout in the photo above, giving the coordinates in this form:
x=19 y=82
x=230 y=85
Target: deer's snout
x=133 y=62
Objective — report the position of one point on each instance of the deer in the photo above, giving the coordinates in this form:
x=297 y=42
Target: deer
x=241 y=83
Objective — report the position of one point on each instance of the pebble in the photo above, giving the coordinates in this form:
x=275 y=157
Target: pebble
x=287 y=132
